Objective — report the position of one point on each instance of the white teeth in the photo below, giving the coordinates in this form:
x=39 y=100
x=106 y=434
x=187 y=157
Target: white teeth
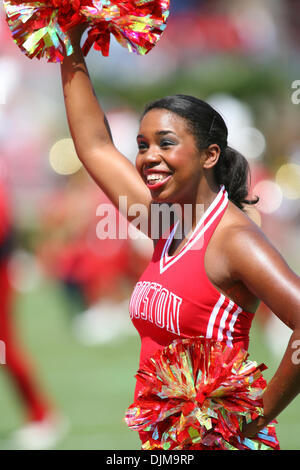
x=156 y=177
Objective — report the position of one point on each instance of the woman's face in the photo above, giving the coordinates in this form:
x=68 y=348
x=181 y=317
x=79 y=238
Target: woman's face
x=168 y=159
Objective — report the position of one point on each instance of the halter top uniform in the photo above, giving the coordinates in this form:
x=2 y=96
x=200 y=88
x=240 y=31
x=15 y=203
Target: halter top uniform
x=174 y=297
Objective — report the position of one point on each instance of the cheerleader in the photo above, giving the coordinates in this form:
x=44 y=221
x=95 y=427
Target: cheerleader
x=44 y=426
x=207 y=283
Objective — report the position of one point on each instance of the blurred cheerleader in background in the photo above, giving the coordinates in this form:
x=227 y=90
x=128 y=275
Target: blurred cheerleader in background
x=44 y=426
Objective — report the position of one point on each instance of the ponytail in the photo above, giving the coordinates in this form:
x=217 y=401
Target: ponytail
x=232 y=170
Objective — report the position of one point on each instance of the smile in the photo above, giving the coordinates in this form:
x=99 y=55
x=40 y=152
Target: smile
x=156 y=180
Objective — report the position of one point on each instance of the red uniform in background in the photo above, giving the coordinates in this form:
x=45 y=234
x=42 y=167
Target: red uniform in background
x=90 y=267
x=16 y=365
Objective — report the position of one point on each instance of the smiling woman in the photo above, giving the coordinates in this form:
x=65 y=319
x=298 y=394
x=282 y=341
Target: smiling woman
x=194 y=125
x=156 y=177
x=205 y=284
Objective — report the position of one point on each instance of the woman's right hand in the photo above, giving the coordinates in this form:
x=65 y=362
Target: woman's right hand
x=75 y=33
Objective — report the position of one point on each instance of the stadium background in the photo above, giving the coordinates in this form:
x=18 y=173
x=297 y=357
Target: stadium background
x=243 y=57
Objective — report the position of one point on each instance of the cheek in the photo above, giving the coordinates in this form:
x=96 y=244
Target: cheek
x=186 y=161
x=138 y=162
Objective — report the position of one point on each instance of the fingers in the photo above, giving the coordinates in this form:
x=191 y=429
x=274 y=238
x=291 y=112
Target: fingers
x=75 y=33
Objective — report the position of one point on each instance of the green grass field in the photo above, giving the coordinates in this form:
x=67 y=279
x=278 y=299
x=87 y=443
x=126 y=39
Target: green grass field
x=92 y=386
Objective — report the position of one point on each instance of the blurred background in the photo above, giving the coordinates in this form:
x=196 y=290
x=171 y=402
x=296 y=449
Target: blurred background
x=72 y=352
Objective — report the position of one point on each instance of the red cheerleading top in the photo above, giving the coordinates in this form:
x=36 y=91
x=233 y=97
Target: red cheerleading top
x=174 y=297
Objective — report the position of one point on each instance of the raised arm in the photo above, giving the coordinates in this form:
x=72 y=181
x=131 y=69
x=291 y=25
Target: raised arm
x=89 y=128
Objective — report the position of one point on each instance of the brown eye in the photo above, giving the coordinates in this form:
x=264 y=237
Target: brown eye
x=142 y=146
x=166 y=143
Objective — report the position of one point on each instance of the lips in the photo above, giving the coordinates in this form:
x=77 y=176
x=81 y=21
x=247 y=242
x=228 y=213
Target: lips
x=159 y=183
x=156 y=178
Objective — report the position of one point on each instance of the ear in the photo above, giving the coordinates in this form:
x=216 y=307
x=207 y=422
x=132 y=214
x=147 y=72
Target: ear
x=211 y=156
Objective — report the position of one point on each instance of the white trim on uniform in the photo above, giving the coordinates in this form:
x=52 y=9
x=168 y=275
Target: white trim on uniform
x=199 y=224
x=231 y=325
x=213 y=316
x=167 y=261
x=224 y=318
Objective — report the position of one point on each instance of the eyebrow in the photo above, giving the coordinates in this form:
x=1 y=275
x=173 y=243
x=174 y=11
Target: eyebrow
x=140 y=136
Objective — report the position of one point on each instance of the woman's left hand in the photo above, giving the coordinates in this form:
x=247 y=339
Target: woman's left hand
x=252 y=428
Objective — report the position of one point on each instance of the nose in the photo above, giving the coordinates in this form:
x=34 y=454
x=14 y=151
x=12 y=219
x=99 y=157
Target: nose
x=151 y=157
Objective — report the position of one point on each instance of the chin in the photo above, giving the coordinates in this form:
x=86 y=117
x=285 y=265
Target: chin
x=160 y=198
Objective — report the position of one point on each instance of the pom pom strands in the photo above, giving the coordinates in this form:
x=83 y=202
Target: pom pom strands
x=40 y=28
x=196 y=395
x=136 y=25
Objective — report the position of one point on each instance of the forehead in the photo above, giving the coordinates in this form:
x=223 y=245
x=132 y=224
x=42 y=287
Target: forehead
x=160 y=120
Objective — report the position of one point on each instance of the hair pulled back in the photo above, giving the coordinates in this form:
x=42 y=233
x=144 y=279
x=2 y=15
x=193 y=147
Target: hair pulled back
x=208 y=127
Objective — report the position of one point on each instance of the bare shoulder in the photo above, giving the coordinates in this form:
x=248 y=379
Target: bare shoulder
x=222 y=247
x=254 y=261
x=242 y=238
x=234 y=219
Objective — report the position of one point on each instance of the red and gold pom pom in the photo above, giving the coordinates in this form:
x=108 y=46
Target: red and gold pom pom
x=136 y=25
x=40 y=27
x=196 y=394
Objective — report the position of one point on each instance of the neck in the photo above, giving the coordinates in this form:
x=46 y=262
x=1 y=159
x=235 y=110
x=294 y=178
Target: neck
x=190 y=213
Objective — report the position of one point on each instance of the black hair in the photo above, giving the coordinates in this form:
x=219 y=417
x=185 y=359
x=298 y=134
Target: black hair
x=208 y=127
